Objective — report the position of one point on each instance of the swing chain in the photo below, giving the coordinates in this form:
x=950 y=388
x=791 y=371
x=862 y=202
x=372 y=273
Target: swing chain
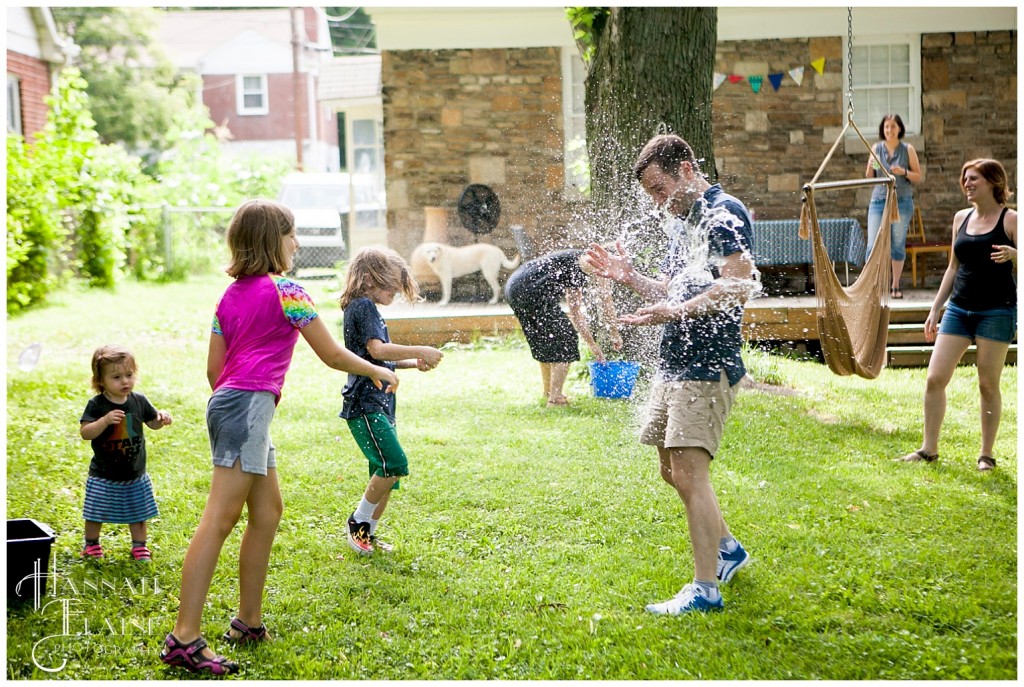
x=849 y=61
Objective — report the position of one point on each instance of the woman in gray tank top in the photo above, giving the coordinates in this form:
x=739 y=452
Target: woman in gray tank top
x=901 y=160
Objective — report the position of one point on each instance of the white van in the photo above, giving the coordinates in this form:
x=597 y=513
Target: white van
x=320 y=202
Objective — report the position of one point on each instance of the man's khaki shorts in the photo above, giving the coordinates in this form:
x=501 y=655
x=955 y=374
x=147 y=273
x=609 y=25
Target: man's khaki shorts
x=688 y=414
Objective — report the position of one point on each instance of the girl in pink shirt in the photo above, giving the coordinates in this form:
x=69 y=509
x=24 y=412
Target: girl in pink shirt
x=257 y=322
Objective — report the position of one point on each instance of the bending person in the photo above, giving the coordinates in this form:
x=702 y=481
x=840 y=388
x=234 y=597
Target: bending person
x=982 y=308
x=535 y=292
x=701 y=306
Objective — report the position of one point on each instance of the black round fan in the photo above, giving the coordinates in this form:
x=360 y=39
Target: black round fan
x=479 y=209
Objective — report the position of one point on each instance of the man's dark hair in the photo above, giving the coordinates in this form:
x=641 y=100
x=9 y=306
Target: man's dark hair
x=667 y=151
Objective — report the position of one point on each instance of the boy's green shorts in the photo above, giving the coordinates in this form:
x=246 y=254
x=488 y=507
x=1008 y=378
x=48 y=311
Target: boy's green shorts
x=378 y=440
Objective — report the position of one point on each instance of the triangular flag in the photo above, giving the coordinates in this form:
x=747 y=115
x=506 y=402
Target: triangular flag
x=797 y=74
x=776 y=80
x=719 y=80
x=755 y=82
x=819 y=65
x=735 y=78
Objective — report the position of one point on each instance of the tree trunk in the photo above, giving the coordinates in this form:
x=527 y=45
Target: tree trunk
x=651 y=73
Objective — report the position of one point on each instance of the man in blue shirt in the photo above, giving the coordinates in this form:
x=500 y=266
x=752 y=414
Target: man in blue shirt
x=708 y=274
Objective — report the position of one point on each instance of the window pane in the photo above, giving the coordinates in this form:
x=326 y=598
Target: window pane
x=899 y=102
x=364 y=132
x=252 y=101
x=878 y=66
x=252 y=83
x=900 y=64
x=578 y=87
x=13 y=105
x=860 y=66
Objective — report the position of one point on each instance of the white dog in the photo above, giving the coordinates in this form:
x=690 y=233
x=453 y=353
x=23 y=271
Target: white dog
x=449 y=262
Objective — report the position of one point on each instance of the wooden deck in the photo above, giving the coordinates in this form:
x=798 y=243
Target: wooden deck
x=768 y=319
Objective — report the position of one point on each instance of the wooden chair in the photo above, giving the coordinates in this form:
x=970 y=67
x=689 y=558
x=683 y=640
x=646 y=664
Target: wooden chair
x=915 y=233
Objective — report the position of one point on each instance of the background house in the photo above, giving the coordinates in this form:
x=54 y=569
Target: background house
x=260 y=70
x=350 y=93
x=35 y=54
x=494 y=96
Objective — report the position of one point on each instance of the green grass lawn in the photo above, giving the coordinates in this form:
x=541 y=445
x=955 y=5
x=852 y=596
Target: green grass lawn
x=527 y=540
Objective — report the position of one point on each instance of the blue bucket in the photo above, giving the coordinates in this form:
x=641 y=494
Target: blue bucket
x=613 y=379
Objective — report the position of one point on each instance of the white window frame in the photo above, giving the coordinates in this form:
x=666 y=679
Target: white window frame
x=574 y=123
x=911 y=118
x=240 y=94
x=14 y=123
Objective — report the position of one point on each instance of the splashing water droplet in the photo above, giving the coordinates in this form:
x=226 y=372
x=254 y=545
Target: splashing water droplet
x=29 y=357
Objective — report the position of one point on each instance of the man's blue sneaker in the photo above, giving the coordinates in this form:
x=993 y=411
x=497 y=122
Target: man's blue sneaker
x=688 y=600
x=730 y=562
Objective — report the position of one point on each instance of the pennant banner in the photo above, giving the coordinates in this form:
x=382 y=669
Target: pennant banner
x=775 y=79
x=797 y=74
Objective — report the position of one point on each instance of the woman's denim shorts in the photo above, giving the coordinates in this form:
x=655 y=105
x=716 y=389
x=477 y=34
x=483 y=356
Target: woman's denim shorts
x=998 y=324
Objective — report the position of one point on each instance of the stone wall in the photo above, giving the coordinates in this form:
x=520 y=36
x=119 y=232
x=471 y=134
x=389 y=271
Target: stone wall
x=769 y=144
x=455 y=117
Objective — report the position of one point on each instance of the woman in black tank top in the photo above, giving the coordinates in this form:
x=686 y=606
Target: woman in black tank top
x=980 y=284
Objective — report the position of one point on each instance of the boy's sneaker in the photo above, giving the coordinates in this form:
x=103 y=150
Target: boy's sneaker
x=359 y=537
x=379 y=545
x=688 y=600
x=730 y=562
x=141 y=554
x=92 y=551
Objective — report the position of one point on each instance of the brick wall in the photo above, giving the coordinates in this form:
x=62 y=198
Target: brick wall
x=456 y=117
x=219 y=94
x=35 y=86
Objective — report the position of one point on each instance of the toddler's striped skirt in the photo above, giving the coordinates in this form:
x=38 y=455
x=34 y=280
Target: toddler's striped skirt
x=119 y=502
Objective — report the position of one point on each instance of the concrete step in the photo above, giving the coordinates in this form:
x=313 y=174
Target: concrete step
x=918 y=356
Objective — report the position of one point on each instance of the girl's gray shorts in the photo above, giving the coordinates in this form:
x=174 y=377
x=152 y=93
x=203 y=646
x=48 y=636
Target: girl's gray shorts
x=239 y=426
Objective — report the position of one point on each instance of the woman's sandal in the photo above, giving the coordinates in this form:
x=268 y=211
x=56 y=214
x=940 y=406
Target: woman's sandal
x=919 y=456
x=986 y=463
x=190 y=657
x=246 y=634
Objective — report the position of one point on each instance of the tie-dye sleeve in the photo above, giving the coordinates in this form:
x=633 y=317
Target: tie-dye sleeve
x=297 y=305
x=216 y=326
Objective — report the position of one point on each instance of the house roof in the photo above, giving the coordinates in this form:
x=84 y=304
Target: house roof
x=32 y=31
x=189 y=36
x=423 y=27
x=350 y=78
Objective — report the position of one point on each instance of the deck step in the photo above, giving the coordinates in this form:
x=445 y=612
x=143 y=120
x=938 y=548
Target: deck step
x=918 y=356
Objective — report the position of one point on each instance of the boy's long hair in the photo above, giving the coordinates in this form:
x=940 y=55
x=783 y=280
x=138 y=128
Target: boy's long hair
x=378 y=268
x=110 y=355
x=255 y=237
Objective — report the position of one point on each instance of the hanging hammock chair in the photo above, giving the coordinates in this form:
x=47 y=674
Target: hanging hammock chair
x=853 y=322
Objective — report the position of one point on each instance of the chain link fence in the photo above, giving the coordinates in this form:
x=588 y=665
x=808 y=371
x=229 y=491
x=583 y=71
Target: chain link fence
x=192 y=241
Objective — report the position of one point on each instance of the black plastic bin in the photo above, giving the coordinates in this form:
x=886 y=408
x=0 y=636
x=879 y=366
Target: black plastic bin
x=28 y=541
